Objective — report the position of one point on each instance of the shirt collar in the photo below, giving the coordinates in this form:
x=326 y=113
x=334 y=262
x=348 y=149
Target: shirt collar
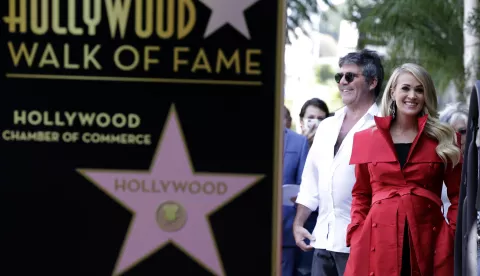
x=372 y=111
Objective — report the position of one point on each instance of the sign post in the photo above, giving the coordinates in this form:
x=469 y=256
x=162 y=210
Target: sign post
x=141 y=137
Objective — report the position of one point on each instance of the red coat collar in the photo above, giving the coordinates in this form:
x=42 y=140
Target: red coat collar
x=383 y=125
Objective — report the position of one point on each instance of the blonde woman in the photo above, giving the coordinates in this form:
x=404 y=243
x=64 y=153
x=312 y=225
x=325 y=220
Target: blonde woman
x=397 y=226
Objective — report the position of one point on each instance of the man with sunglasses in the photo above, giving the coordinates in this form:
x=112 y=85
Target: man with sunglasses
x=328 y=179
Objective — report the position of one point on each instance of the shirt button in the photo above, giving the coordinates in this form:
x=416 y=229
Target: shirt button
x=429 y=206
x=434 y=229
x=374 y=225
x=371 y=274
x=373 y=248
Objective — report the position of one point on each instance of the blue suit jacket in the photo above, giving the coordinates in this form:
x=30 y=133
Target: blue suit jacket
x=295 y=153
x=295 y=150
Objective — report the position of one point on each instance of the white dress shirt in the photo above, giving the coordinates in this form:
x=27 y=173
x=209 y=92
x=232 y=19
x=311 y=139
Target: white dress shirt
x=327 y=180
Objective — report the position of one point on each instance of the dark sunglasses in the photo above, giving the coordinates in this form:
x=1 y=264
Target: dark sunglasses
x=349 y=76
x=462 y=131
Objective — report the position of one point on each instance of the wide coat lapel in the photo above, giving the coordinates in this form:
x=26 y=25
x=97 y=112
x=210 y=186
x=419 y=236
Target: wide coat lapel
x=383 y=149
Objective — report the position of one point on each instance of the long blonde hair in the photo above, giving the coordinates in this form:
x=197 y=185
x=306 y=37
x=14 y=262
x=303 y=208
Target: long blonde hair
x=447 y=148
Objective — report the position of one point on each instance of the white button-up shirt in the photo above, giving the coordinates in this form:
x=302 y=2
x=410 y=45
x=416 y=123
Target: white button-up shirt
x=328 y=179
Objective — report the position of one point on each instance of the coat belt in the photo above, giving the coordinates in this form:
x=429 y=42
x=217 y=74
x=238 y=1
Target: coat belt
x=408 y=191
x=410 y=212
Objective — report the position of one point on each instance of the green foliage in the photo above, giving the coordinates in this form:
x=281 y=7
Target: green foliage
x=330 y=23
x=473 y=22
x=324 y=73
x=429 y=33
x=299 y=12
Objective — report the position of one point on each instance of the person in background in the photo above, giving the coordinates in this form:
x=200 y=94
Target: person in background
x=456 y=115
x=397 y=226
x=328 y=178
x=294 y=261
x=288 y=118
x=312 y=113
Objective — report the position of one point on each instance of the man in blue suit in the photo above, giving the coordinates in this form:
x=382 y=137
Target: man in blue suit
x=295 y=262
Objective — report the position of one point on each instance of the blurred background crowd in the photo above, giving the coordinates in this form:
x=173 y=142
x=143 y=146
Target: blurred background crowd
x=443 y=36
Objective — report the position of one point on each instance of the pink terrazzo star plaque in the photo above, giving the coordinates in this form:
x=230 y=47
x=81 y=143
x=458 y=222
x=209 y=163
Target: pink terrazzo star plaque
x=170 y=202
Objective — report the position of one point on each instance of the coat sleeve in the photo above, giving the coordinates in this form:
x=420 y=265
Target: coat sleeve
x=362 y=190
x=452 y=182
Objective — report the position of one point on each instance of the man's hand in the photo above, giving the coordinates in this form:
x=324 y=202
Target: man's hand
x=300 y=234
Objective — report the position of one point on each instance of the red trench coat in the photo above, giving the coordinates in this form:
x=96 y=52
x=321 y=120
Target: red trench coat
x=385 y=196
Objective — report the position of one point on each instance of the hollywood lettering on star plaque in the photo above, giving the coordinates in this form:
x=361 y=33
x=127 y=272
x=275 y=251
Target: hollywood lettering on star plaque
x=141 y=137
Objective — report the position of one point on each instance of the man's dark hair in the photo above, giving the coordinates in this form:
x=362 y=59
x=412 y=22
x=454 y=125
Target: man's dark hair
x=370 y=63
